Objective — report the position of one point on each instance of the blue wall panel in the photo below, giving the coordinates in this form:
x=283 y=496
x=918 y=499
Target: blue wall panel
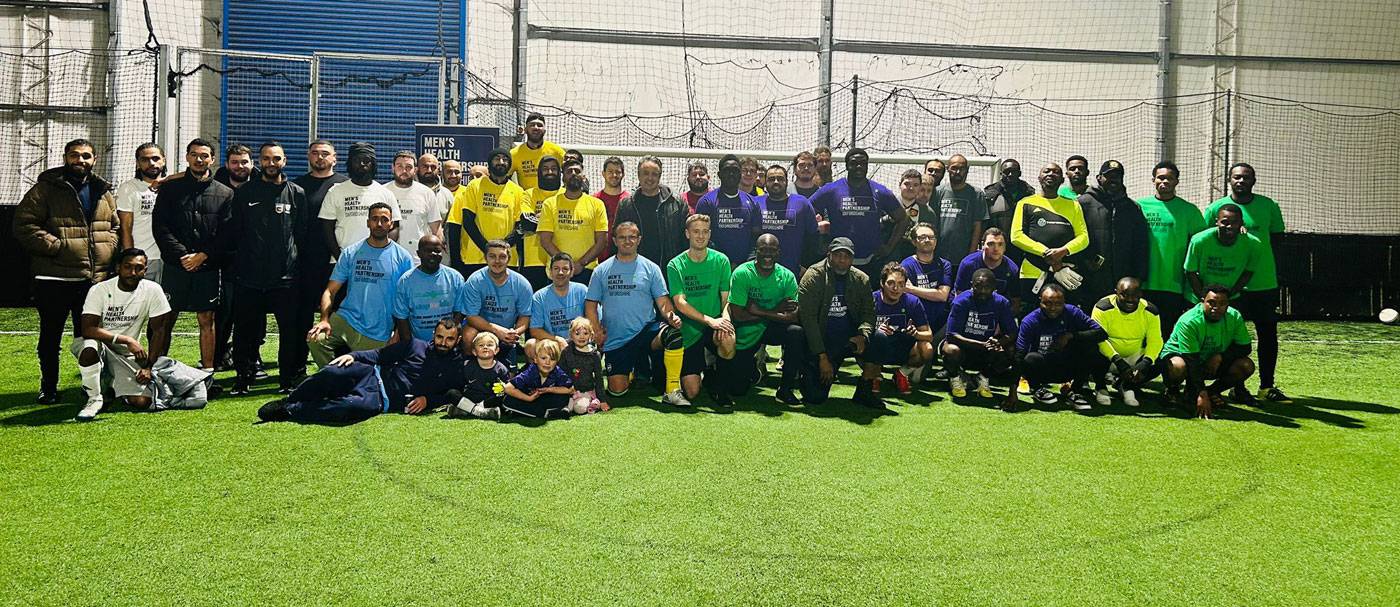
x=371 y=101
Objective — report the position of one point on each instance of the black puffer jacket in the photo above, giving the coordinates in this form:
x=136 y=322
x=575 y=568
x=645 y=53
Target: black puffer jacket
x=186 y=217
x=1118 y=233
x=662 y=228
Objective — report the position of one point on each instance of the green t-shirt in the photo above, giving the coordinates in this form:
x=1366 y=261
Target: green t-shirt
x=747 y=286
x=1193 y=334
x=701 y=283
x=1170 y=226
x=1262 y=218
x=1219 y=264
x=1068 y=192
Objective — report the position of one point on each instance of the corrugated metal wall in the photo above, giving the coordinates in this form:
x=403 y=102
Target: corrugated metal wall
x=372 y=101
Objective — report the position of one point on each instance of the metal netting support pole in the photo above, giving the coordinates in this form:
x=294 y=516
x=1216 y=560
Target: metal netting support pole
x=314 y=100
x=855 y=100
x=442 y=91
x=522 y=43
x=1164 y=70
x=1229 y=132
x=824 y=69
x=167 y=129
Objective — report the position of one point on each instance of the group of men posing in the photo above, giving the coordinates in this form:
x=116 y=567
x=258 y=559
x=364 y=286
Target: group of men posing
x=684 y=291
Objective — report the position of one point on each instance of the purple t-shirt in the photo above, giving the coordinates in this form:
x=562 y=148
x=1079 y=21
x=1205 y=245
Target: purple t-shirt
x=1038 y=331
x=855 y=211
x=793 y=221
x=930 y=276
x=1006 y=273
x=734 y=223
x=980 y=320
x=908 y=311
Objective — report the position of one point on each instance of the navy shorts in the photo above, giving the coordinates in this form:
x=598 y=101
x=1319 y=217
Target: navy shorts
x=628 y=357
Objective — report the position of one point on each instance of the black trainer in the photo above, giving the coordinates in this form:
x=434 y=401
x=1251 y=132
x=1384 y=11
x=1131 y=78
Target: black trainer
x=47 y=397
x=240 y=388
x=786 y=396
x=275 y=411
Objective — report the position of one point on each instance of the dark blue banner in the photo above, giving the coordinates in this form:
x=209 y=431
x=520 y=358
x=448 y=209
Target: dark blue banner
x=468 y=144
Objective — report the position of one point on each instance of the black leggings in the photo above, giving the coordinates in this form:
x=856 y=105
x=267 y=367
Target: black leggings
x=1268 y=350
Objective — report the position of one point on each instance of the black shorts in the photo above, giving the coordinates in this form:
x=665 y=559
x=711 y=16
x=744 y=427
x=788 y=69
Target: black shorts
x=191 y=291
x=694 y=361
x=626 y=358
x=1258 y=306
x=1164 y=365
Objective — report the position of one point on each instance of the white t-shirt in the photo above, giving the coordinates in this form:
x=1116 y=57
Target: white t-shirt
x=348 y=204
x=444 y=201
x=125 y=313
x=419 y=206
x=136 y=197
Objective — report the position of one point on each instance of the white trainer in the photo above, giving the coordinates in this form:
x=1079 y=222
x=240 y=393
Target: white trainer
x=90 y=410
x=675 y=398
x=1130 y=398
x=1101 y=396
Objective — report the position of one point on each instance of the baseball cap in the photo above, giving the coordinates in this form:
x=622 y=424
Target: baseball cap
x=1110 y=166
x=839 y=243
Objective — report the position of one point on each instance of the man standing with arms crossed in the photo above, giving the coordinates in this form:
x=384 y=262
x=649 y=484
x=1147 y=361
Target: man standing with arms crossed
x=853 y=205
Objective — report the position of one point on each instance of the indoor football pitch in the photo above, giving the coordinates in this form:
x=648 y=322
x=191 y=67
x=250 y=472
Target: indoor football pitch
x=930 y=502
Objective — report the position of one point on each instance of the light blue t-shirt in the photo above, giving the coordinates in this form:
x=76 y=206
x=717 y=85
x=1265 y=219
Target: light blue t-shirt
x=626 y=293
x=553 y=313
x=498 y=304
x=370 y=277
x=423 y=299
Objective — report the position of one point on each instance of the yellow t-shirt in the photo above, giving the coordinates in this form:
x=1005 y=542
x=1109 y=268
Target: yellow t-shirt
x=574 y=223
x=525 y=161
x=496 y=207
x=535 y=257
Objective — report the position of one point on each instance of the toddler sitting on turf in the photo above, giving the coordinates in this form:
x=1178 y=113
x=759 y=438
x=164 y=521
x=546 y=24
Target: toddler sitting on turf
x=543 y=389
x=482 y=393
x=584 y=363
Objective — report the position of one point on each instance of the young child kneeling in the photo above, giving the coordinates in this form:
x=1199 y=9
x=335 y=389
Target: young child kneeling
x=584 y=363
x=543 y=389
x=482 y=395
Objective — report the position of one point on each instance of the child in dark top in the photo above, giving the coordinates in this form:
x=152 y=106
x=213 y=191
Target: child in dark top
x=482 y=395
x=543 y=389
x=584 y=363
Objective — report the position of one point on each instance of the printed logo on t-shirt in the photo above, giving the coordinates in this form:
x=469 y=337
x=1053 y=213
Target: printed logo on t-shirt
x=354 y=207
x=852 y=206
x=621 y=285
x=368 y=270
x=837 y=308
x=981 y=324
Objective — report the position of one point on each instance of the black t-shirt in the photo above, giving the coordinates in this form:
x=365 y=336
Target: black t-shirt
x=481 y=383
x=314 y=246
x=649 y=225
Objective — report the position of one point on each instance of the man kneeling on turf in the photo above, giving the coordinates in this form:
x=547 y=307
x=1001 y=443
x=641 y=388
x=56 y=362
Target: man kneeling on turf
x=410 y=375
x=981 y=337
x=114 y=314
x=1209 y=342
x=1058 y=342
x=1134 y=341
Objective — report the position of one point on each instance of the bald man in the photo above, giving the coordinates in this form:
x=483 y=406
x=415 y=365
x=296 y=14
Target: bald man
x=426 y=294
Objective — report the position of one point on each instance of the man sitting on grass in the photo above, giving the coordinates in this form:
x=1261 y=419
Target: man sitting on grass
x=1209 y=342
x=410 y=375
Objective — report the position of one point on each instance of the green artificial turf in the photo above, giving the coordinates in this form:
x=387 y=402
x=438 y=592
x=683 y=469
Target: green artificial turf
x=930 y=503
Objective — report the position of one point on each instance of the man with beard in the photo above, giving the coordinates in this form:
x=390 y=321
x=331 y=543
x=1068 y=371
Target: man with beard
x=417 y=204
x=763 y=308
x=115 y=312
x=1058 y=342
x=961 y=212
x=1171 y=222
x=853 y=205
x=433 y=174
x=497 y=300
x=981 y=337
x=1002 y=197
x=822 y=156
x=525 y=156
x=412 y=376
x=575 y=223
x=1210 y=341
x=427 y=294
x=1129 y=355
x=1076 y=177
x=612 y=194
x=790 y=218
x=136 y=201
x=345 y=210
x=657 y=213
x=258 y=236
x=370 y=271
x=238 y=166
x=1048 y=228
x=1259 y=303
x=837 y=315
x=804 y=173
x=68 y=224
x=532 y=258
x=734 y=217
x=993 y=258
x=697 y=181
x=185 y=224
x=488 y=210
x=312 y=255
x=1117 y=234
